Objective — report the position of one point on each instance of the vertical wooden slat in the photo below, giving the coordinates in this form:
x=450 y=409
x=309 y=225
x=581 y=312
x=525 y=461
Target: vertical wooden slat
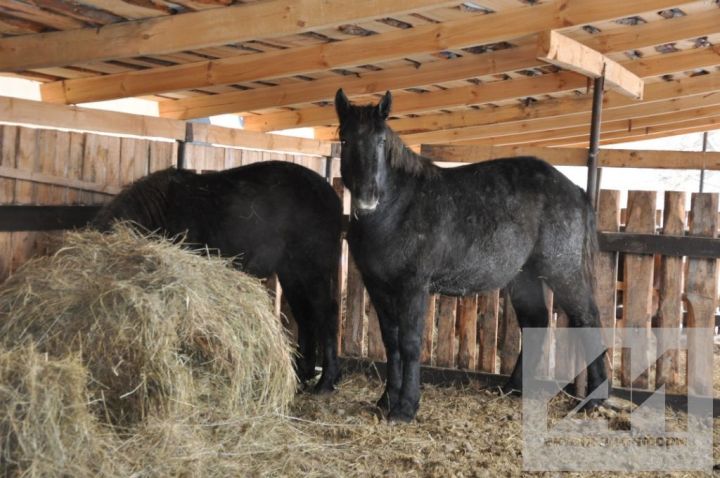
x=273 y=287
x=429 y=331
x=8 y=141
x=509 y=342
x=548 y=365
x=467 y=318
x=608 y=220
x=702 y=291
x=75 y=166
x=162 y=155
x=671 y=289
x=23 y=242
x=354 y=329
x=375 y=346
x=489 y=310
x=637 y=299
x=342 y=269
x=445 y=349
x=564 y=352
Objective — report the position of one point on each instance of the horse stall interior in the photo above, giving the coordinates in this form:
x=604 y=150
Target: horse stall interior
x=471 y=81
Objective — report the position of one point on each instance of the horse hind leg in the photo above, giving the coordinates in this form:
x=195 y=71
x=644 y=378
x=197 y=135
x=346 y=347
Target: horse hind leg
x=312 y=299
x=574 y=295
x=528 y=300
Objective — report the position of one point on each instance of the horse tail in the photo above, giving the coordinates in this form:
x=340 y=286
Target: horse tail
x=590 y=246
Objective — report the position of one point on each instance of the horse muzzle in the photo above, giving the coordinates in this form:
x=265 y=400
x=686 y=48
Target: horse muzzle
x=365 y=207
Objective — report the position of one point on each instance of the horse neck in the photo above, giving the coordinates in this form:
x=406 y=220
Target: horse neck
x=401 y=181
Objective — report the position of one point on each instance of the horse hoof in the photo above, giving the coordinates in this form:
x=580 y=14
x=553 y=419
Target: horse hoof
x=400 y=416
x=323 y=387
x=385 y=403
x=592 y=405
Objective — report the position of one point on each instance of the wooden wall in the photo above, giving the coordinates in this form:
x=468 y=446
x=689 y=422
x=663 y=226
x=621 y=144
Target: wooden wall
x=54 y=167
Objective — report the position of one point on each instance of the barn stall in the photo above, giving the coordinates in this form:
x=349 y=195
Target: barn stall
x=471 y=82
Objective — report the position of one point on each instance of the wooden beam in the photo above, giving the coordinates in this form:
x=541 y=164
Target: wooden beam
x=616 y=158
x=628 y=120
x=19 y=111
x=681 y=245
x=564 y=52
x=656 y=33
x=205 y=133
x=475 y=94
x=190 y=31
x=668 y=129
x=421 y=39
x=45 y=218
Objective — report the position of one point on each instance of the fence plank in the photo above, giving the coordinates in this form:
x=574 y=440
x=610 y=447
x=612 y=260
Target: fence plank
x=354 y=331
x=429 y=331
x=509 y=342
x=375 y=347
x=670 y=291
x=637 y=298
x=23 y=242
x=8 y=136
x=467 y=321
x=608 y=220
x=489 y=310
x=445 y=352
x=702 y=290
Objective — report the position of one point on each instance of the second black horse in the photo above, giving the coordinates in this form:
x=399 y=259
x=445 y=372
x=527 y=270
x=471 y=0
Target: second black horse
x=273 y=217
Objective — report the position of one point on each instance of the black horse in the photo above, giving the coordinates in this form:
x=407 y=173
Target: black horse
x=418 y=229
x=274 y=217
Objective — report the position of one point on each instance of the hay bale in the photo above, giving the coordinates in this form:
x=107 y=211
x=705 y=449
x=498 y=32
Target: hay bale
x=46 y=428
x=162 y=331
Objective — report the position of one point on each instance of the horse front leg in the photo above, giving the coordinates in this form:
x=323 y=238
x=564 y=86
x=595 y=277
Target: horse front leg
x=411 y=317
x=384 y=306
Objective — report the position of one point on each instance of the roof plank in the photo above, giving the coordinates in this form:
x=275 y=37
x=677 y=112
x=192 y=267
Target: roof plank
x=188 y=31
x=472 y=31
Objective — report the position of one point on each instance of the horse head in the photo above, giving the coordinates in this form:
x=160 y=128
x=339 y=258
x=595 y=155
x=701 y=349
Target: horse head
x=363 y=136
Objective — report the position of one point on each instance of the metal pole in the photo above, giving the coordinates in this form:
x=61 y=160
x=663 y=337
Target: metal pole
x=702 y=171
x=592 y=178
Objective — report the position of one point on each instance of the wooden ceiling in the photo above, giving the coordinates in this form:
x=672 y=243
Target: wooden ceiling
x=461 y=72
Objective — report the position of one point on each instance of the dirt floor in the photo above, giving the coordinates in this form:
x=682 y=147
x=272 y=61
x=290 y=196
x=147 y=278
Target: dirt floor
x=459 y=432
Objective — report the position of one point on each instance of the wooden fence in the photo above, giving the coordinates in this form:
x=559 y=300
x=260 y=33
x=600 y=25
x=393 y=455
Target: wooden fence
x=480 y=332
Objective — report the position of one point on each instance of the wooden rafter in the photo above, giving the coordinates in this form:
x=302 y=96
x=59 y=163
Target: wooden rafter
x=397 y=44
x=564 y=52
x=612 y=130
x=474 y=94
x=191 y=30
x=630 y=118
x=577 y=156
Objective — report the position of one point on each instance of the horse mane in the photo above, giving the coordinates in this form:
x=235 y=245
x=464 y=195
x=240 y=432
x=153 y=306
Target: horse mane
x=143 y=202
x=401 y=157
x=405 y=159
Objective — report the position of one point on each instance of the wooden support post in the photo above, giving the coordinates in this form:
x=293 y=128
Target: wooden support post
x=702 y=290
x=595 y=119
x=342 y=268
x=489 y=310
x=182 y=146
x=429 y=331
x=606 y=263
x=671 y=289
x=447 y=309
x=509 y=342
x=637 y=297
x=467 y=321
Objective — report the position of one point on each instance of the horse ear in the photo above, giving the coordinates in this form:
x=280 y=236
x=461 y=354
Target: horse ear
x=385 y=105
x=342 y=104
